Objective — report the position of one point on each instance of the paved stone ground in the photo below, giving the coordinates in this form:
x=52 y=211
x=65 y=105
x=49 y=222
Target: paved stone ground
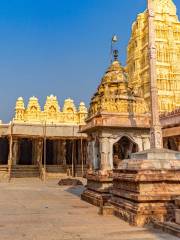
x=32 y=210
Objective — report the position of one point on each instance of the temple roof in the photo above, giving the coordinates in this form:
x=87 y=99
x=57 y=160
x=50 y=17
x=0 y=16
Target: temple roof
x=114 y=94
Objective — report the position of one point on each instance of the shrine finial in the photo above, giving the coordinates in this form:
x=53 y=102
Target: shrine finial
x=114 y=51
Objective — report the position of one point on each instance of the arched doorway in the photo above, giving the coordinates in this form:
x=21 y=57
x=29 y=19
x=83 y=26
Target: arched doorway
x=123 y=150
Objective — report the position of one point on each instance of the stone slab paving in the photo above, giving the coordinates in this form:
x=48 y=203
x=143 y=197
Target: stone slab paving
x=32 y=210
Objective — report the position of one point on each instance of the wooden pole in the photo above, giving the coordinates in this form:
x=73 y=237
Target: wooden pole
x=72 y=157
x=10 y=152
x=156 y=131
x=45 y=150
x=82 y=157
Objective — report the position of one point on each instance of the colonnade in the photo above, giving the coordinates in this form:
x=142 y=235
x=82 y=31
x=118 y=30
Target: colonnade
x=44 y=152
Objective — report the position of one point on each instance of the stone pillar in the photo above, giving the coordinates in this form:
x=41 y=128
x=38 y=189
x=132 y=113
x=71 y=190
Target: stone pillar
x=95 y=151
x=80 y=152
x=90 y=156
x=15 y=151
x=145 y=143
x=155 y=132
x=139 y=142
x=104 y=154
x=63 y=152
x=111 y=161
x=39 y=150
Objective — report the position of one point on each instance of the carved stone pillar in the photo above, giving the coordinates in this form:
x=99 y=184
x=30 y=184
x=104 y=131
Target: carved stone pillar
x=104 y=153
x=15 y=151
x=145 y=143
x=90 y=156
x=95 y=155
x=139 y=142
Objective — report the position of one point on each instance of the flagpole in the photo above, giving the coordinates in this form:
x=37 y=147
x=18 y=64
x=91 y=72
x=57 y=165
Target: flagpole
x=155 y=131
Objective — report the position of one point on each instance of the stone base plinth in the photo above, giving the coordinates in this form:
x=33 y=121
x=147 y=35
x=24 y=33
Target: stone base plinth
x=97 y=189
x=145 y=190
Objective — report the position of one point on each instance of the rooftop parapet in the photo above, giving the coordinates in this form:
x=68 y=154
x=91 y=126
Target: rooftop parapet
x=51 y=112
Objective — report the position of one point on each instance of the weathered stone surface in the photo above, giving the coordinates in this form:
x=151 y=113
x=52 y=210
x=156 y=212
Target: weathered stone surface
x=97 y=189
x=144 y=190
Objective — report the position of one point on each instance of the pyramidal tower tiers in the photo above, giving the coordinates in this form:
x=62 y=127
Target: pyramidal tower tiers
x=167 y=38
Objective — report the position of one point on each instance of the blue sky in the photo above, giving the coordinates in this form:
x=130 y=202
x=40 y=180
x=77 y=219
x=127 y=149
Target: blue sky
x=59 y=47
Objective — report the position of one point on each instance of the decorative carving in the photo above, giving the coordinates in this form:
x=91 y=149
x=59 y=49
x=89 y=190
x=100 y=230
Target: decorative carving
x=114 y=95
x=19 y=109
x=33 y=110
x=166 y=50
x=51 y=113
x=52 y=109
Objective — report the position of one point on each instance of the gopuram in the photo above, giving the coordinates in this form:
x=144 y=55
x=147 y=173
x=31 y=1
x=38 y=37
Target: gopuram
x=44 y=143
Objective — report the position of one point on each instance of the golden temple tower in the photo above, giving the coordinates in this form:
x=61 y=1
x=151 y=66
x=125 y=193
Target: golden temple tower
x=167 y=39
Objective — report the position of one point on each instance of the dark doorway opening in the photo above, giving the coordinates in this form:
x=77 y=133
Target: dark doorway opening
x=49 y=152
x=69 y=148
x=25 y=157
x=123 y=150
x=4 y=151
x=170 y=143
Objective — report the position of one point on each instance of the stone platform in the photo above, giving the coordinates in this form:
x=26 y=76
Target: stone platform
x=145 y=189
x=97 y=189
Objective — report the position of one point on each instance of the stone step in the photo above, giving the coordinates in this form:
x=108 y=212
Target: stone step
x=24 y=171
x=3 y=168
x=24 y=166
x=55 y=169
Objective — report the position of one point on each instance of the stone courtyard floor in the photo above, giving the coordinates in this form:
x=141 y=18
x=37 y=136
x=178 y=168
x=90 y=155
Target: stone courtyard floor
x=30 y=209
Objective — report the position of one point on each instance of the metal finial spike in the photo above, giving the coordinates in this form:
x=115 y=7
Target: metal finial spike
x=116 y=53
x=114 y=39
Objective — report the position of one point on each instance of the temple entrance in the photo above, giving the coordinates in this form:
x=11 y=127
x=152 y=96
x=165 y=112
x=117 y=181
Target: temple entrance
x=4 y=150
x=25 y=154
x=123 y=150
